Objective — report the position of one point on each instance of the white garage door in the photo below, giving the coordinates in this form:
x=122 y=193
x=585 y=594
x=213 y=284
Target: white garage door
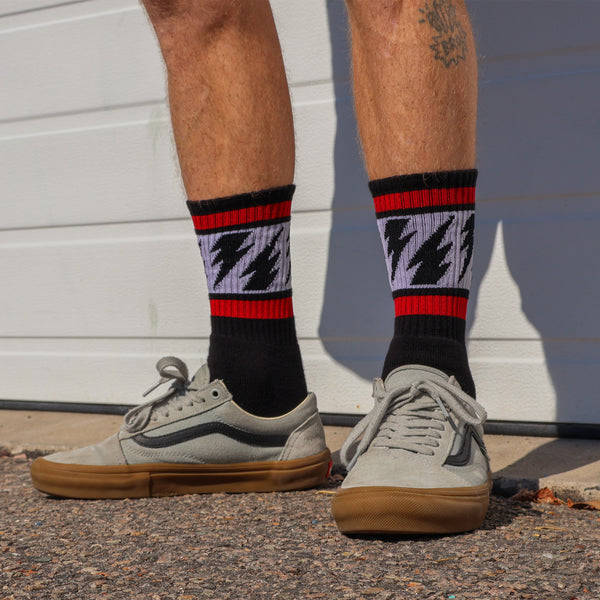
x=99 y=267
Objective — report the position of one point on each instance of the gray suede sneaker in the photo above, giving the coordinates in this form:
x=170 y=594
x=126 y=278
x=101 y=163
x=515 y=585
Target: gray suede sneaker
x=421 y=466
x=192 y=439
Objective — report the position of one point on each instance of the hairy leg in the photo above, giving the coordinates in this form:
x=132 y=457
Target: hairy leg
x=415 y=85
x=415 y=81
x=232 y=121
x=421 y=465
x=228 y=95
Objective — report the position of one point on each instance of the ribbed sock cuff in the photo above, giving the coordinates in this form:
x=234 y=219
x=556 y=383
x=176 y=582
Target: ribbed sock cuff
x=245 y=202
x=466 y=178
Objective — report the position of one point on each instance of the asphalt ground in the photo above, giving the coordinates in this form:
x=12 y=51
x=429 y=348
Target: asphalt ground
x=278 y=545
x=287 y=545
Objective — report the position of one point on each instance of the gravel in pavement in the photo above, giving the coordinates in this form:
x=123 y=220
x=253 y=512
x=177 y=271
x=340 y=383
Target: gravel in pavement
x=280 y=545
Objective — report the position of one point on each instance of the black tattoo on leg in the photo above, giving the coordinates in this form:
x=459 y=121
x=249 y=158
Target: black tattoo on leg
x=450 y=42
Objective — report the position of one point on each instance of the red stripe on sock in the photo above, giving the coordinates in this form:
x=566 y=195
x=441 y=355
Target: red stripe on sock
x=243 y=216
x=424 y=199
x=447 y=306
x=279 y=308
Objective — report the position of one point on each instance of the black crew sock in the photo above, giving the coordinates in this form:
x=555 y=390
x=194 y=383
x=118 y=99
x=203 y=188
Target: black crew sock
x=244 y=241
x=446 y=354
x=268 y=379
x=426 y=222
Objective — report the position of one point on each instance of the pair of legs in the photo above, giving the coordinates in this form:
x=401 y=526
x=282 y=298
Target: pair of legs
x=230 y=105
x=420 y=465
x=415 y=85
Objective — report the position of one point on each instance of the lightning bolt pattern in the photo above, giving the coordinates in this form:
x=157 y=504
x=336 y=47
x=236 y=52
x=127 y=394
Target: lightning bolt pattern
x=247 y=261
x=396 y=241
x=428 y=251
x=226 y=252
x=468 y=231
x=431 y=256
x=264 y=268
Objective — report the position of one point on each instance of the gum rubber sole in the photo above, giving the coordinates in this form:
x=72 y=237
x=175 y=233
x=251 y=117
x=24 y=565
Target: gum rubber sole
x=165 y=479
x=397 y=511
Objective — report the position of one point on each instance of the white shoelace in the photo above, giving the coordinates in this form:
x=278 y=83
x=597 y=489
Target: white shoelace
x=170 y=369
x=411 y=418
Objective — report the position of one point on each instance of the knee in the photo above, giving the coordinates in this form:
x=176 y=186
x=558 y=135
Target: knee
x=159 y=10
x=377 y=14
x=379 y=7
x=200 y=18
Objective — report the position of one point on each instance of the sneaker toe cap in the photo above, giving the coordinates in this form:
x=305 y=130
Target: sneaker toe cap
x=107 y=452
x=397 y=468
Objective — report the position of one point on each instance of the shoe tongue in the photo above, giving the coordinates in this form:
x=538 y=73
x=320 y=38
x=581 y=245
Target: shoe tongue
x=404 y=377
x=202 y=377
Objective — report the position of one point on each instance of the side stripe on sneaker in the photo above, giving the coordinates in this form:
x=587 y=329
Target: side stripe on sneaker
x=462 y=457
x=205 y=429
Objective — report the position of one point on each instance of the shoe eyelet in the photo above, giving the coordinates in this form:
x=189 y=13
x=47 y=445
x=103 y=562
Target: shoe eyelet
x=215 y=393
